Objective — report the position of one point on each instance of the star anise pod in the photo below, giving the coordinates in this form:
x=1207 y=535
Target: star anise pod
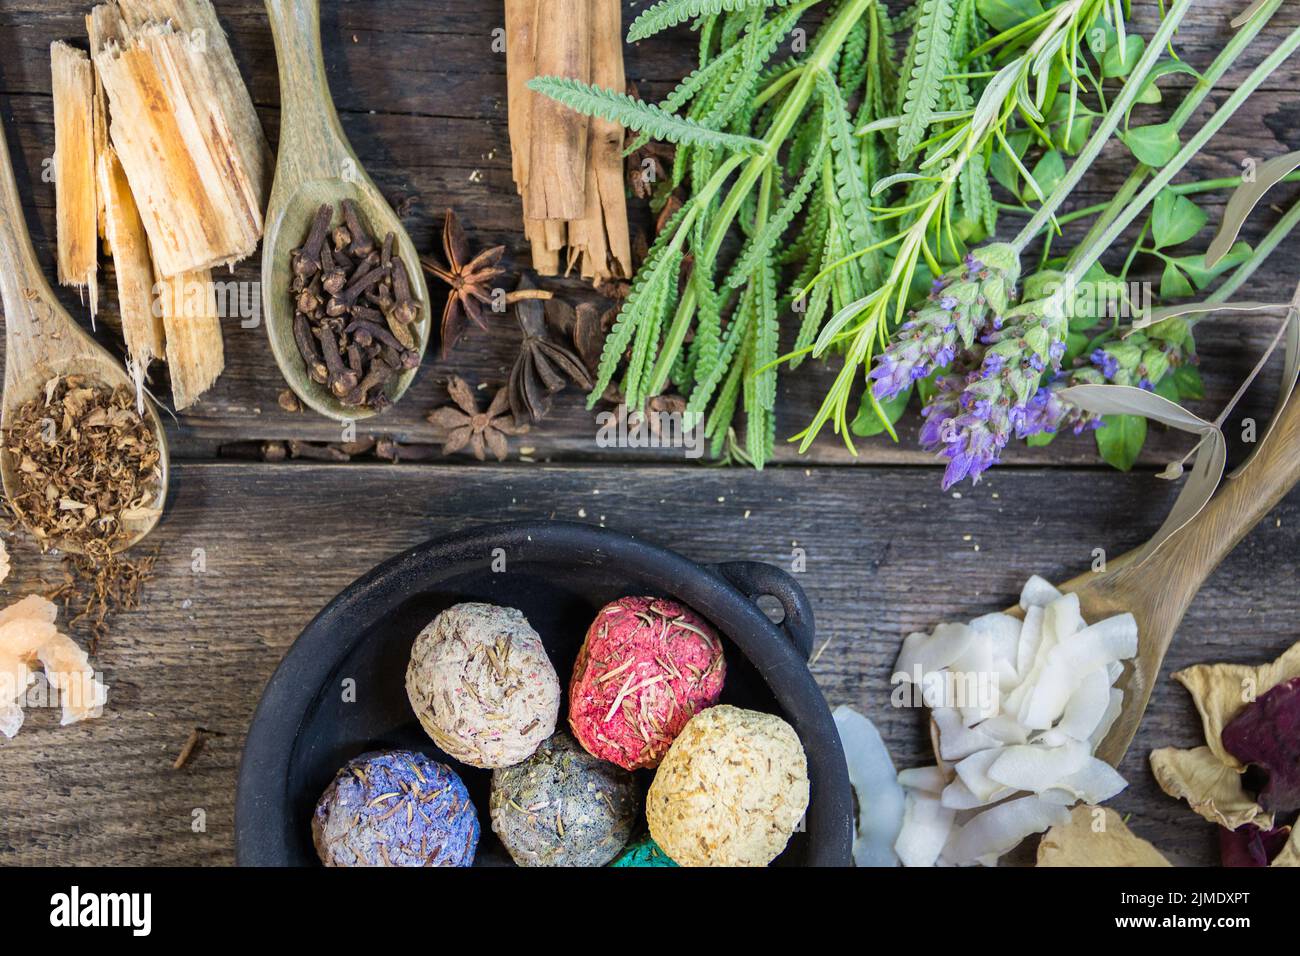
x=586 y=326
x=542 y=366
x=470 y=277
x=466 y=426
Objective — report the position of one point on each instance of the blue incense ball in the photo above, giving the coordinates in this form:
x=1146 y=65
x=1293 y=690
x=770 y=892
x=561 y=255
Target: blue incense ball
x=396 y=808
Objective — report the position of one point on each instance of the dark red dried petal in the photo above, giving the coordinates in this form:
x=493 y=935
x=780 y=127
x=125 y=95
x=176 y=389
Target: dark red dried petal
x=1267 y=734
x=1248 y=845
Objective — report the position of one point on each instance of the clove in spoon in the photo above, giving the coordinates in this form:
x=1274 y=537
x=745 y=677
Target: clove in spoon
x=43 y=342
x=316 y=165
x=1159 y=590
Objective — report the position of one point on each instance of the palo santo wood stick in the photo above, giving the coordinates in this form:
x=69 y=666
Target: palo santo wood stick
x=76 y=202
x=195 y=353
x=557 y=164
x=100 y=125
x=184 y=130
x=142 y=329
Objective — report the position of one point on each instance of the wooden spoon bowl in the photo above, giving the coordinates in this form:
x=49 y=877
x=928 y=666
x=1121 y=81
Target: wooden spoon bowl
x=1159 y=590
x=315 y=165
x=43 y=342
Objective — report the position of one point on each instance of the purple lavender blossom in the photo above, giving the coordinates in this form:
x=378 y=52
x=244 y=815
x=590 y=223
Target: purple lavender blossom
x=1108 y=364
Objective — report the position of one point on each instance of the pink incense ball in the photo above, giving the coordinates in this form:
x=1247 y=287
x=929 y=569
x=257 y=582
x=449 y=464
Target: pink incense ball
x=647 y=666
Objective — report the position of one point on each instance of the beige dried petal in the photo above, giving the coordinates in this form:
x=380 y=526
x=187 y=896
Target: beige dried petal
x=1211 y=789
x=68 y=670
x=4 y=561
x=1290 y=855
x=1096 y=836
x=1222 y=690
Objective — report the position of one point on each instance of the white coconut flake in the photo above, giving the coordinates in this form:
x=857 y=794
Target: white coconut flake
x=1086 y=706
x=1004 y=729
x=973 y=771
x=1035 y=768
x=999 y=829
x=930 y=780
x=1037 y=592
x=922 y=653
x=956 y=740
x=1094 y=782
x=1108 y=719
x=1062 y=618
x=875 y=781
x=926 y=824
x=1031 y=634
x=958 y=796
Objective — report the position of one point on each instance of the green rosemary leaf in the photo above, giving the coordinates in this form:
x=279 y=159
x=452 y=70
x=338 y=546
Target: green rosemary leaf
x=849 y=186
x=637 y=115
x=669 y=13
x=932 y=62
x=767 y=331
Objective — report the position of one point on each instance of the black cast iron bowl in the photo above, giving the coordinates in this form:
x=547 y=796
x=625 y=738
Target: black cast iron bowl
x=559 y=574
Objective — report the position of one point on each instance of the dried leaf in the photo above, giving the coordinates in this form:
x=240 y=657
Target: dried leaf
x=1208 y=307
x=1220 y=691
x=1244 y=200
x=1096 y=836
x=1241 y=19
x=1211 y=788
x=1211 y=453
x=1290 y=369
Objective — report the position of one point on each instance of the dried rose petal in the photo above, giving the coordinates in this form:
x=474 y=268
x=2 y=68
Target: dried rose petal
x=1250 y=846
x=1267 y=733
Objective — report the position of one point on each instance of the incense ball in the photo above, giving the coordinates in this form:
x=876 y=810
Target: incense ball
x=563 y=807
x=482 y=685
x=395 y=808
x=644 y=852
x=730 y=791
x=646 y=667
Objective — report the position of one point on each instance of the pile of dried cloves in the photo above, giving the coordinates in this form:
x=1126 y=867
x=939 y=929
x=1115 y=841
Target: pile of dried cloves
x=353 y=309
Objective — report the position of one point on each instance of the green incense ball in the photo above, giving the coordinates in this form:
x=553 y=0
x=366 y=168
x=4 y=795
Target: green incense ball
x=563 y=807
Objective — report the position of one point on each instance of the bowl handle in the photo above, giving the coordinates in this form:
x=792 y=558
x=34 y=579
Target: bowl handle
x=755 y=579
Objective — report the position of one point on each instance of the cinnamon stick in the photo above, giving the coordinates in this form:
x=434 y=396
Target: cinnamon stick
x=558 y=143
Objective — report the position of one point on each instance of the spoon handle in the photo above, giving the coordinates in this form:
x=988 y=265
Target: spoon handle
x=1244 y=501
x=312 y=142
x=21 y=276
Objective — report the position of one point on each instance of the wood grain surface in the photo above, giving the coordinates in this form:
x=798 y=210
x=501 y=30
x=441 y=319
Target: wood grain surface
x=421 y=97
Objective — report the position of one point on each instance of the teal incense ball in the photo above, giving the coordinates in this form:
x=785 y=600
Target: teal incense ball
x=644 y=852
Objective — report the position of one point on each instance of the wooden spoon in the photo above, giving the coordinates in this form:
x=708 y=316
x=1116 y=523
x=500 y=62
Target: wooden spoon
x=1159 y=590
x=43 y=342
x=316 y=165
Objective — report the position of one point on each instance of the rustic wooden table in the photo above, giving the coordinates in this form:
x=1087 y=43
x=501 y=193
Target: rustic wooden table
x=250 y=549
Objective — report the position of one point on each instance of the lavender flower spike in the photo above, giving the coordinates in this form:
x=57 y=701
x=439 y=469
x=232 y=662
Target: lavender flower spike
x=959 y=304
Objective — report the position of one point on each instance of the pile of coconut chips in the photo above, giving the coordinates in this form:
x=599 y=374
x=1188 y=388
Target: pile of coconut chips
x=1017 y=755
x=27 y=637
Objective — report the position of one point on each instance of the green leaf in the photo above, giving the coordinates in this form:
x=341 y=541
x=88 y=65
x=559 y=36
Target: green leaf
x=933 y=62
x=1202 y=276
x=1167 y=388
x=1119 y=59
x=1175 y=219
x=1153 y=145
x=638 y=115
x=1188 y=380
x=1173 y=284
x=669 y=13
x=868 y=422
x=1041 y=440
x=1120 y=440
x=1048 y=172
x=1002 y=15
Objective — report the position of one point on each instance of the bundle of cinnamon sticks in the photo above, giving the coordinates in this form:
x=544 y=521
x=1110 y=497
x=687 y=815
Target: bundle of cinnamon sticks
x=568 y=168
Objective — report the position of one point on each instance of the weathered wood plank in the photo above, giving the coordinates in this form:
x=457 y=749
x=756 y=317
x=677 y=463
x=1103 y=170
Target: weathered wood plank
x=423 y=101
x=885 y=555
